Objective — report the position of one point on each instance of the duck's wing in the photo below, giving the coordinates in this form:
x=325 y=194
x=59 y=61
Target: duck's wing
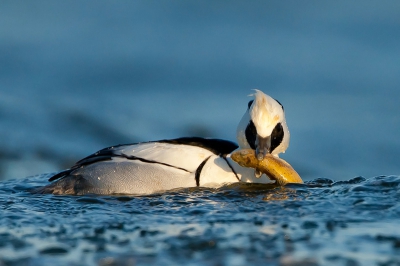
x=186 y=154
x=105 y=154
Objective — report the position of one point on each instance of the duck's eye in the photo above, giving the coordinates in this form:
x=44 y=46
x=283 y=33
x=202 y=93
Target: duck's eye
x=249 y=104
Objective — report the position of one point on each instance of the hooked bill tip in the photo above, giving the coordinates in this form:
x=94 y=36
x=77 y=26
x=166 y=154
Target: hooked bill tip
x=260 y=156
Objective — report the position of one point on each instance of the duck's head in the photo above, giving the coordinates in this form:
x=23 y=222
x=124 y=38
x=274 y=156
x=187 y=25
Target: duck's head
x=263 y=127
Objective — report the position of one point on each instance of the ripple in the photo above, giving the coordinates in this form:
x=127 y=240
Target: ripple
x=250 y=222
x=54 y=250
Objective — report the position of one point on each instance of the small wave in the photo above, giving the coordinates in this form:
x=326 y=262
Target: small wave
x=322 y=218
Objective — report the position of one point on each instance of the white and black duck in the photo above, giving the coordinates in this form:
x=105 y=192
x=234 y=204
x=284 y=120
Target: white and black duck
x=148 y=167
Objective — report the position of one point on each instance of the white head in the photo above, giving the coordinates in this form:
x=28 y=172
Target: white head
x=263 y=126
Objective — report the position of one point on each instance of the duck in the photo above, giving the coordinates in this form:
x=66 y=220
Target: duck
x=156 y=166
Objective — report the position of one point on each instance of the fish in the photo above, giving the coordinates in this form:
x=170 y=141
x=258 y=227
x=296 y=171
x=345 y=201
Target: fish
x=274 y=167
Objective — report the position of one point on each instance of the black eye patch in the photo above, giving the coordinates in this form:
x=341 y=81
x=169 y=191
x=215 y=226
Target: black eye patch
x=276 y=136
x=251 y=134
x=249 y=104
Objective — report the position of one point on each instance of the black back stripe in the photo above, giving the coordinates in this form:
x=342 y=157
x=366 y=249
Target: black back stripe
x=216 y=146
x=198 y=171
x=94 y=159
x=151 y=161
x=233 y=170
x=86 y=161
x=60 y=174
x=103 y=158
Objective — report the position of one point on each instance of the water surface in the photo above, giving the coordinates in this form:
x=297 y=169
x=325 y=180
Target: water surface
x=322 y=222
x=77 y=77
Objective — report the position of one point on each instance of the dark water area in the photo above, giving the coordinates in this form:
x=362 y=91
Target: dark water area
x=322 y=222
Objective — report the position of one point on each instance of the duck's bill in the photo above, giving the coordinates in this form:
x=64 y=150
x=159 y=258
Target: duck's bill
x=263 y=146
x=275 y=168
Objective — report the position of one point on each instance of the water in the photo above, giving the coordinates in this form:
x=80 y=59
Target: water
x=77 y=76
x=352 y=222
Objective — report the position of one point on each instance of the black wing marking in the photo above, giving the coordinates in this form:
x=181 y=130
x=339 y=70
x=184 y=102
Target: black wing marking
x=131 y=157
x=233 y=170
x=102 y=155
x=216 y=146
x=198 y=171
x=61 y=174
x=105 y=154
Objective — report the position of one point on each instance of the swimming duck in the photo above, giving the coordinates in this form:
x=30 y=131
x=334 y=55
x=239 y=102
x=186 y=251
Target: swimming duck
x=148 y=167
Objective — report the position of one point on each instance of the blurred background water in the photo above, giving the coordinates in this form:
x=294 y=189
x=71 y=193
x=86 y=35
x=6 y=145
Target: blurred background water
x=77 y=76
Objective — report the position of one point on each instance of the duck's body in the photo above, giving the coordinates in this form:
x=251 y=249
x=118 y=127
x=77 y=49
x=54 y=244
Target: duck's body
x=148 y=167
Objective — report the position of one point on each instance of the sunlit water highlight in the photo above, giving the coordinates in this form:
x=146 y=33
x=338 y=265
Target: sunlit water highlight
x=322 y=222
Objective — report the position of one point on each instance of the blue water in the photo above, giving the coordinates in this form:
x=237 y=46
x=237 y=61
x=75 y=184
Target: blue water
x=323 y=222
x=79 y=76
